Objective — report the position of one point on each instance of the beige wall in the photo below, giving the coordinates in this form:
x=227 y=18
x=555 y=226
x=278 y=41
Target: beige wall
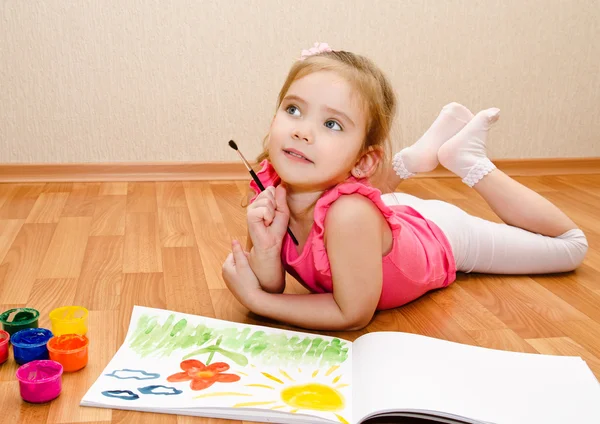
x=174 y=80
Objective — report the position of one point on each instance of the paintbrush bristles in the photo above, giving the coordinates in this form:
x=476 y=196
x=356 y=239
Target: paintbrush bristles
x=234 y=146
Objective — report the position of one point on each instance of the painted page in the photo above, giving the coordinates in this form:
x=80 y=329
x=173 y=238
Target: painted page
x=177 y=363
x=400 y=371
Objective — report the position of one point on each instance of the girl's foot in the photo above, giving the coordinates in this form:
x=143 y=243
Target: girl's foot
x=423 y=155
x=465 y=153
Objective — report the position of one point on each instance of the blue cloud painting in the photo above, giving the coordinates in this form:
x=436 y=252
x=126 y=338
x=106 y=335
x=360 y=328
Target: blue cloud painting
x=125 y=374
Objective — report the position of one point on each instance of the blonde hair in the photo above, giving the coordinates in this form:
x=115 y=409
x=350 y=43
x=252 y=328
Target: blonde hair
x=373 y=86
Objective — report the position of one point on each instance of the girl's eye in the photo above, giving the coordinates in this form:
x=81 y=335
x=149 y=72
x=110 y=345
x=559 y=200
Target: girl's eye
x=331 y=125
x=292 y=109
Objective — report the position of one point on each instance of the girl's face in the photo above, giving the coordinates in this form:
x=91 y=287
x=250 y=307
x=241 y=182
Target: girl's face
x=318 y=132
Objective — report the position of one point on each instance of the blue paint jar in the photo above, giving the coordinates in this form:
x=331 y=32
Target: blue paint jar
x=30 y=344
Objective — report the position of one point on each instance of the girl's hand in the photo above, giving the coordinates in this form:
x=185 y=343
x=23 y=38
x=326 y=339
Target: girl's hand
x=268 y=218
x=239 y=277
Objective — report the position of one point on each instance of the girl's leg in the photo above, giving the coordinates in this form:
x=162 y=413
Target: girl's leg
x=465 y=155
x=422 y=155
x=522 y=207
x=479 y=245
x=502 y=249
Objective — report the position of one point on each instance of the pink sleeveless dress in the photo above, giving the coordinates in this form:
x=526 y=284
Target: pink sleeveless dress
x=420 y=260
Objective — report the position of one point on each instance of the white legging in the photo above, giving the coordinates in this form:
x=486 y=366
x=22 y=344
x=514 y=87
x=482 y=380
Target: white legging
x=489 y=247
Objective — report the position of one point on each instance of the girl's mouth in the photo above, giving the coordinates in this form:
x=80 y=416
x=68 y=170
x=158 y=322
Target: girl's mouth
x=296 y=155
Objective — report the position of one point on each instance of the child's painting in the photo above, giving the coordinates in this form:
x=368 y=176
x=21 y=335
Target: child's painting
x=171 y=361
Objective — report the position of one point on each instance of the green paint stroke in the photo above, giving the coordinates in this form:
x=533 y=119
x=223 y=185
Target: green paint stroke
x=152 y=337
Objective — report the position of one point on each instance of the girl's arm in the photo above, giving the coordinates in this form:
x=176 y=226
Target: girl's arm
x=266 y=264
x=267 y=267
x=354 y=241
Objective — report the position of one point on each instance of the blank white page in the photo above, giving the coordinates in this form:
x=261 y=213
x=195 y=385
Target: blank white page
x=400 y=371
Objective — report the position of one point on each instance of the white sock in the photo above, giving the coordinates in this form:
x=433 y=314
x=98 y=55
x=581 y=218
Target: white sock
x=465 y=153
x=422 y=156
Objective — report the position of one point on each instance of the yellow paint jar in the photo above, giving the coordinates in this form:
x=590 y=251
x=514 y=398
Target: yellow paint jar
x=69 y=320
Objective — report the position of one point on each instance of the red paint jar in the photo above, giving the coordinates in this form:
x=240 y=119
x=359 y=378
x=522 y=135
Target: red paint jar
x=4 y=343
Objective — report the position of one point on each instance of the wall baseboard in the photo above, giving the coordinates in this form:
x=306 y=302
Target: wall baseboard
x=198 y=171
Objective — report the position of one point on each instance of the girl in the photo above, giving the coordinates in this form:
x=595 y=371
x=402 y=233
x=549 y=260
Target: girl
x=360 y=250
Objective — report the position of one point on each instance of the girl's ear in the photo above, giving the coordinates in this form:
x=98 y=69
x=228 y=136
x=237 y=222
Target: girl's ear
x=367 y=164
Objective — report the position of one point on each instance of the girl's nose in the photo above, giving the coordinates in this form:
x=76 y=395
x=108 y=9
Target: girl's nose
x=302 y=135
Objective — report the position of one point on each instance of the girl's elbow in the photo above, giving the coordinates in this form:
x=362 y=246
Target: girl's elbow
x=357 y=322
x=357 y=327
x=274 y=289
x=357 y=316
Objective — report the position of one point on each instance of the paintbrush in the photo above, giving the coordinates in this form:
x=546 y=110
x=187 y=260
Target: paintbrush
x=234 y=146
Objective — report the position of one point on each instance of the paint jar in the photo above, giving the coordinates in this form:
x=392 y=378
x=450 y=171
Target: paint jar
x=18 y=319
x=30 y=344
x=70 y=350
x=40 y=381
x=69 y=320
x=4 y=339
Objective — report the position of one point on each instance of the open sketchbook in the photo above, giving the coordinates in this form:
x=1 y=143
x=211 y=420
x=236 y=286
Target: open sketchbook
x=176 y=363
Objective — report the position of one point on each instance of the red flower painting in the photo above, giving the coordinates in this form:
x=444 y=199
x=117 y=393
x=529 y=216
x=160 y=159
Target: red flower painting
x=203 y=376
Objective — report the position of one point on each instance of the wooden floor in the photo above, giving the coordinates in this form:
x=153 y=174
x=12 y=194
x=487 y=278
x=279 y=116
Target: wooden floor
x=108 y=246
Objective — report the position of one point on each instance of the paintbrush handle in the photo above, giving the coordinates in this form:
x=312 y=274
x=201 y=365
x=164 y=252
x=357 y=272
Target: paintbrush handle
x=292 y=236
x=257 y=180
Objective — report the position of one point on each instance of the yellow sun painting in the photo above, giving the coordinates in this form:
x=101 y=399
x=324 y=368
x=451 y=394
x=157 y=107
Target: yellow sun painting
x=314 y=390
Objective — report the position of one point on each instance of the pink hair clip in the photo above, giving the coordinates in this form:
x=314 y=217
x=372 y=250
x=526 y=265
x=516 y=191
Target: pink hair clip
x=318 y=48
